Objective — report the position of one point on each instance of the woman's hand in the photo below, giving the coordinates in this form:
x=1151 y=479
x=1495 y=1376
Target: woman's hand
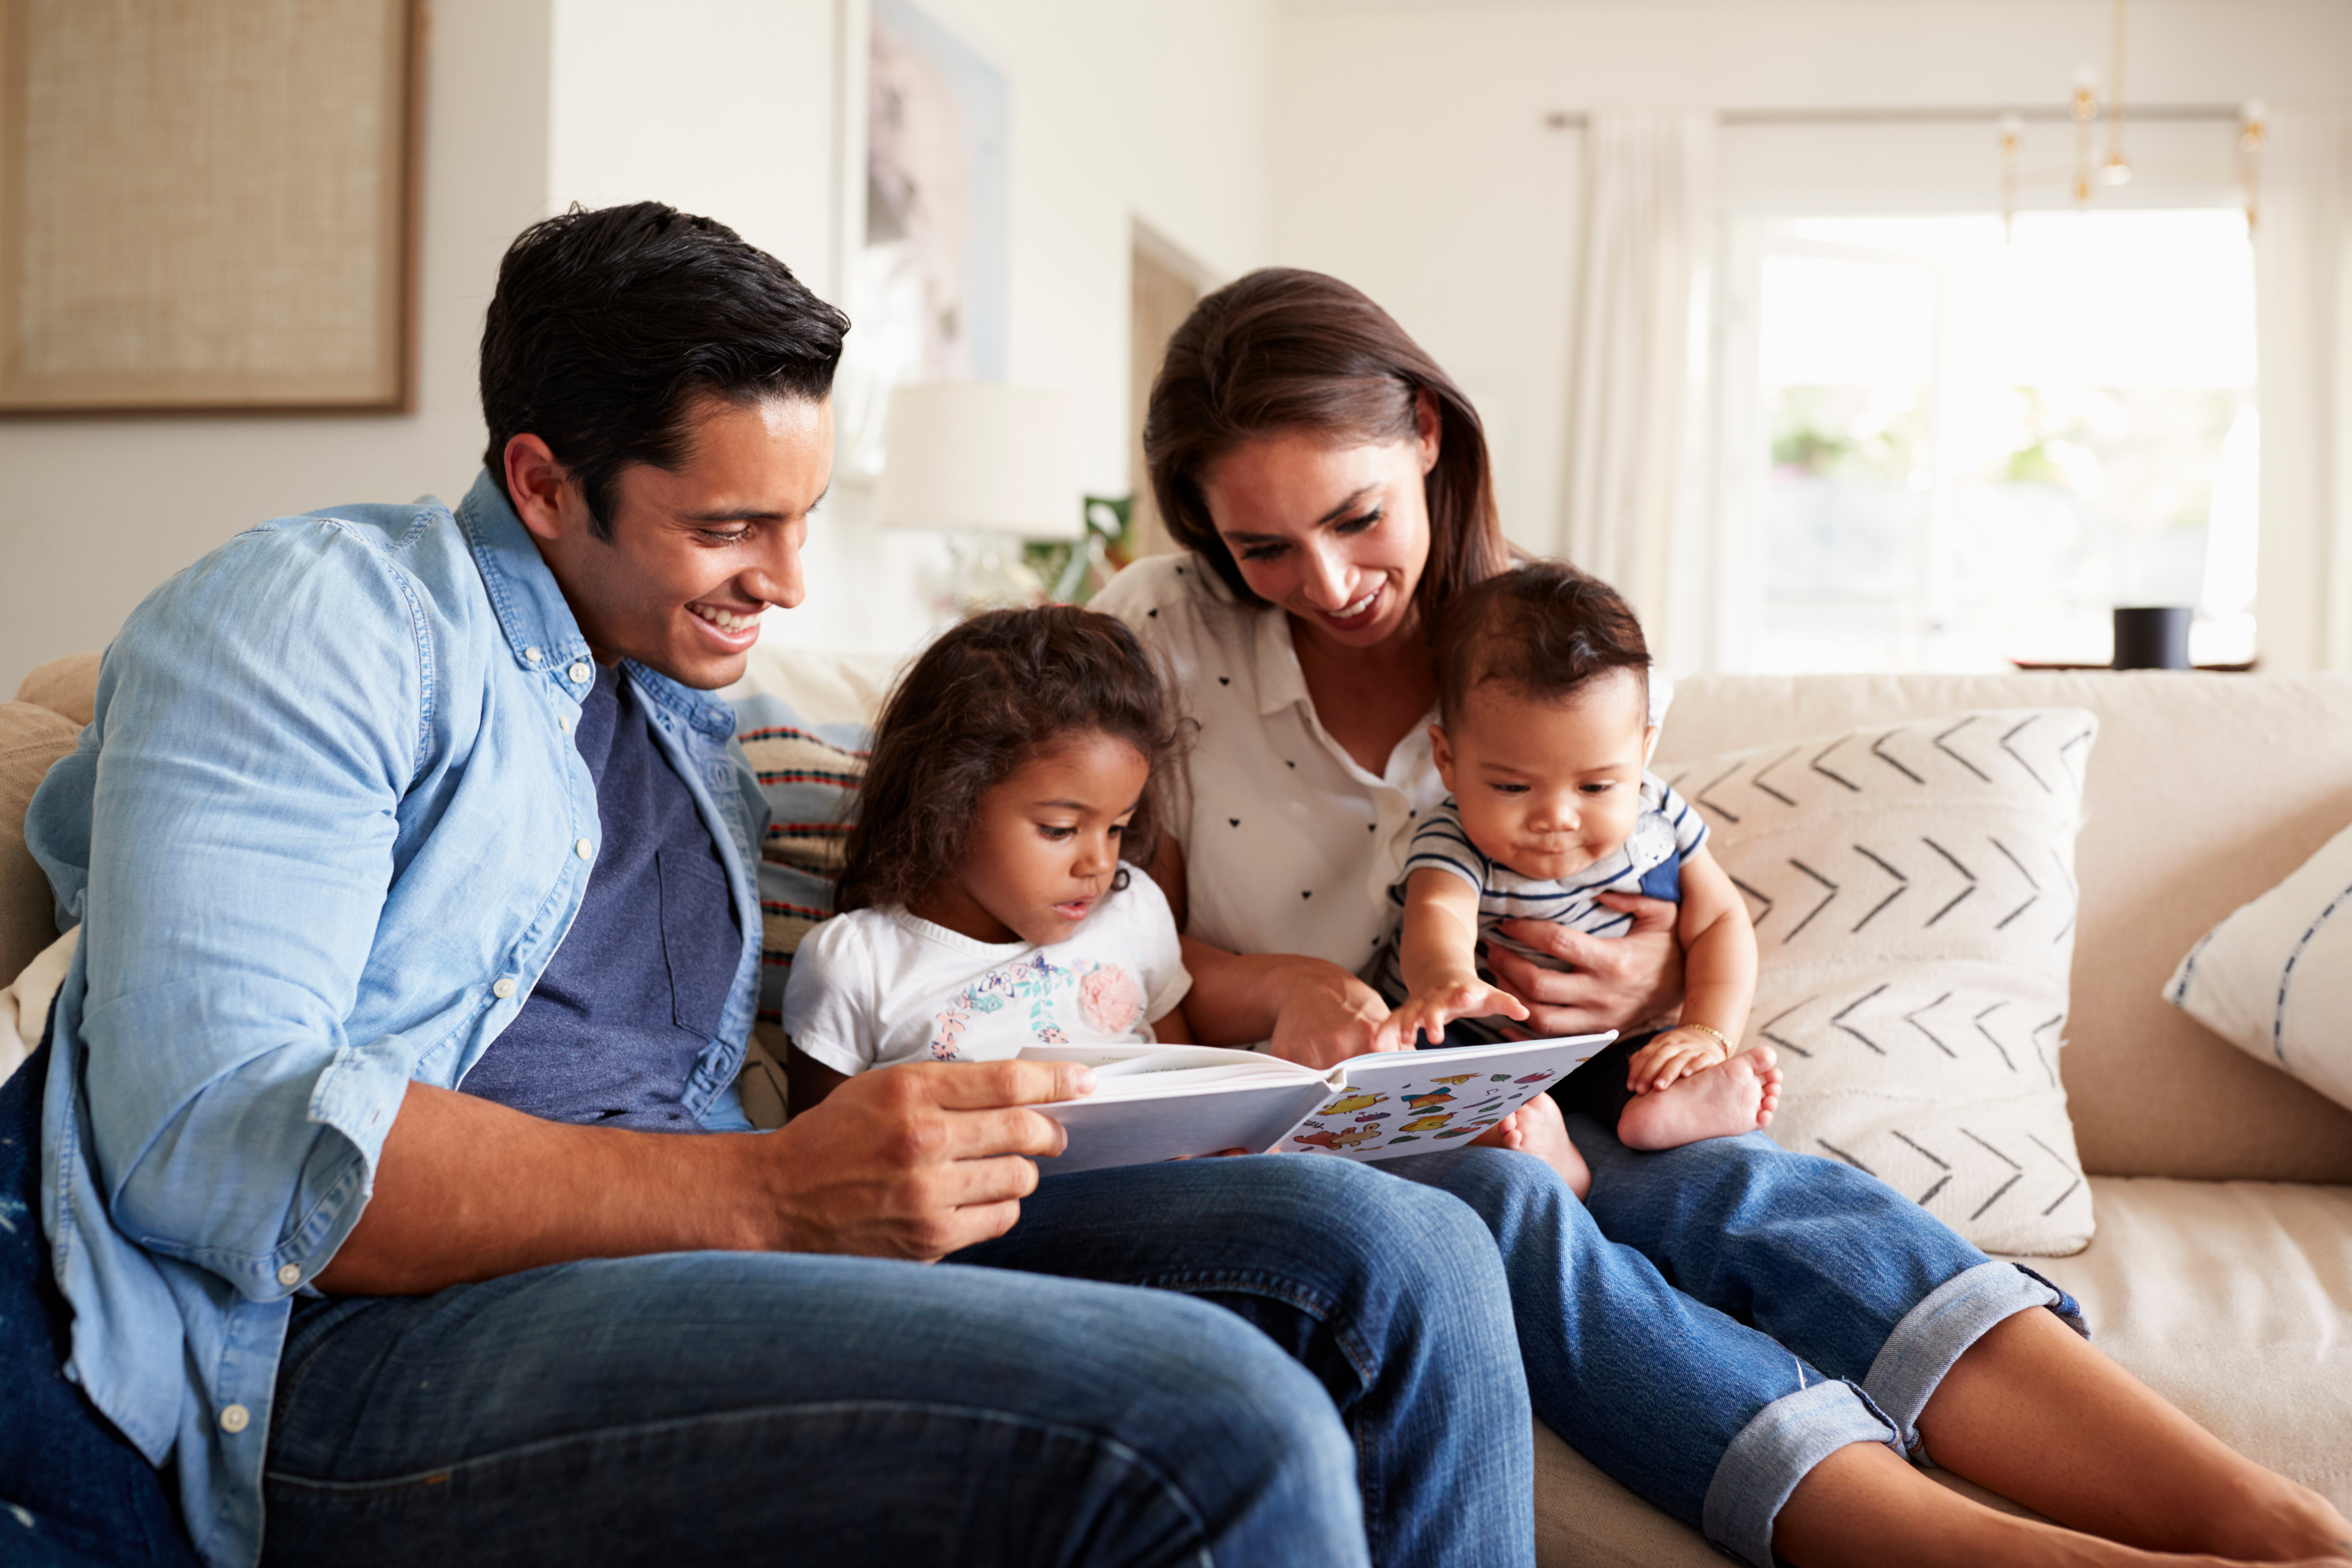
x=1312 y=1010
x=1328 y=1016
x=1614 y=982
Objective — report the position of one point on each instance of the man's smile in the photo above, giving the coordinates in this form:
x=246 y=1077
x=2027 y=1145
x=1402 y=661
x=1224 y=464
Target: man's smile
x=734 y=630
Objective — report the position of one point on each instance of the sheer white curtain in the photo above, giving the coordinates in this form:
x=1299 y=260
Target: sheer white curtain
x=1631 y=515
x=2303 y=293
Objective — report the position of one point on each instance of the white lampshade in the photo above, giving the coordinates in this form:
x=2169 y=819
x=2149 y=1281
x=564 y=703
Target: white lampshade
x=979 y=456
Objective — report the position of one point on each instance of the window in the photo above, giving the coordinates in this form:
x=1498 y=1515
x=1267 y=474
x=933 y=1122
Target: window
x=1974 y=445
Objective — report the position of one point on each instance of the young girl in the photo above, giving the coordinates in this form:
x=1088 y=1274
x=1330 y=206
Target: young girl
x=990 y=898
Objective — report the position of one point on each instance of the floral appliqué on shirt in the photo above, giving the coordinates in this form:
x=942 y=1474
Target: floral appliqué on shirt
x=1109 y=999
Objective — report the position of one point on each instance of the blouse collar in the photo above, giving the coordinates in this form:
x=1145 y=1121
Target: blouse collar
x=1280 y=680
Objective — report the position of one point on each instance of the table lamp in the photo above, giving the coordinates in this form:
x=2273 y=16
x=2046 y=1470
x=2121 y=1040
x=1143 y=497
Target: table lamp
x=989 y=465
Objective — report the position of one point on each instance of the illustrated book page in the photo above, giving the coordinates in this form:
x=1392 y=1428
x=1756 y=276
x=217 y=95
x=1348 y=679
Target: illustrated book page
x=1167 y=1102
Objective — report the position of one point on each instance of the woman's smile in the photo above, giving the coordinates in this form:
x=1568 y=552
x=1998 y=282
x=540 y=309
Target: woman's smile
x=1355 y=616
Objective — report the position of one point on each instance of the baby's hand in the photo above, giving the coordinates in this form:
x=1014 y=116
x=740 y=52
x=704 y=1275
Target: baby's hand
x=1676 y=1053
x=1428 y=1010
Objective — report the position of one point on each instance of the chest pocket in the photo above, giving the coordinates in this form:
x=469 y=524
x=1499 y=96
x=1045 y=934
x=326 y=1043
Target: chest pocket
x=700 y=939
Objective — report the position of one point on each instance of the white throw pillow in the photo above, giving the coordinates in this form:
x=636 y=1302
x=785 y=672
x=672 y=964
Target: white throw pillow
x=2274 y=978
x=1912 y=891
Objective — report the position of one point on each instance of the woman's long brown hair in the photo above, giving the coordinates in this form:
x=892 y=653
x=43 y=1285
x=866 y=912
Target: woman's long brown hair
x=1285 y=350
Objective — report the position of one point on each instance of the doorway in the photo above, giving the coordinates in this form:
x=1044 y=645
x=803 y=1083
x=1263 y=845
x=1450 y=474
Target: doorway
x=1167 y=283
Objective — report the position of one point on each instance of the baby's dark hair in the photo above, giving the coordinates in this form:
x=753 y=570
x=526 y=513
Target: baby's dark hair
x=1543 y=628
x=977 y=705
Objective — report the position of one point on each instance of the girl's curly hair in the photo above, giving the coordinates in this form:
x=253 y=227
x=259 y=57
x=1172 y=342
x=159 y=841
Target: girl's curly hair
x=977 y=705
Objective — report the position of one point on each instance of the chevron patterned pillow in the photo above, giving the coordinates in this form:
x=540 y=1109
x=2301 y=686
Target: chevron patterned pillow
x=1913 y=890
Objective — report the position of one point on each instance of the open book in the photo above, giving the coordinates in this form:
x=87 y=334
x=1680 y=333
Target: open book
x=1161 y=1102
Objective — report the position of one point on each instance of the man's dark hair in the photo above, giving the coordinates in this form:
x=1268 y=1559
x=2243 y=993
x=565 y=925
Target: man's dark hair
x=981 y=702
x=608 y=325
x=1544 y=629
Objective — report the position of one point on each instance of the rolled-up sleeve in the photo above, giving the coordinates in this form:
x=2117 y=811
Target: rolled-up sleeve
x=242 y=808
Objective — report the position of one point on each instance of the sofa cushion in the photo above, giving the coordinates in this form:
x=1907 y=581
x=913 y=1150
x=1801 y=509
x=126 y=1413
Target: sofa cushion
x=2232 y=1299
x=67 y=686
x=1913 y=890
x=31 y=738
x=2205 y=790
x=2274 y=979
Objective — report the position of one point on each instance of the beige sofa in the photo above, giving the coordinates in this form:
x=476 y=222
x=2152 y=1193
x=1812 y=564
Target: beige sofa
x=2222 y=1270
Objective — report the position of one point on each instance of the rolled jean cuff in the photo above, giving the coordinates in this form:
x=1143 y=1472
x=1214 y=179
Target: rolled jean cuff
x=1777 y=1448
x=1940 y=1329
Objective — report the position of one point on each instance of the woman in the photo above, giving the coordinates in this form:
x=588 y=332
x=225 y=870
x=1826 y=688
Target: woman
x=1331 y=486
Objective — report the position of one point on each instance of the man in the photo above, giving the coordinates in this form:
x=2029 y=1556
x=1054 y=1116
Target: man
x=394 y=1172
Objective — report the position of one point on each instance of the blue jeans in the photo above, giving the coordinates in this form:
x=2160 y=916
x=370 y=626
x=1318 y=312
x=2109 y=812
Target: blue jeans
x=1725 y=1315
x=730 y=1407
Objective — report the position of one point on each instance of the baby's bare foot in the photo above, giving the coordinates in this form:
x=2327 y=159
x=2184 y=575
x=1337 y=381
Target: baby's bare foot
x=1537 y=1128
x=1721 y=1101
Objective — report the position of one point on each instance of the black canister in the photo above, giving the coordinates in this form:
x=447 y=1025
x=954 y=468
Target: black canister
x=2152 y=636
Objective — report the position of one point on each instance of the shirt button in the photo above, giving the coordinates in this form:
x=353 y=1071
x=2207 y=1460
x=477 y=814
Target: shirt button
x=579 y=672
x=585 y=849
x=503 y=989
x=563 y=722
x=236 y=1419
x=289 y=1274
x=533 y=655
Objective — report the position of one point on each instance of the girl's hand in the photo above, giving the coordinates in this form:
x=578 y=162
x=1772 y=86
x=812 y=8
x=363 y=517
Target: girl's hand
x=1429 y=1011
x=1676 y=1053
x=1613 y=981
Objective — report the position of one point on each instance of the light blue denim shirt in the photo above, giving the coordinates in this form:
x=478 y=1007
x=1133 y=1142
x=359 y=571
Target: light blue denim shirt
x=323 y=834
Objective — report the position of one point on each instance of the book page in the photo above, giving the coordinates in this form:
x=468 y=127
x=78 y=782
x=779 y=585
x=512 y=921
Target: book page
x=1411 y=1102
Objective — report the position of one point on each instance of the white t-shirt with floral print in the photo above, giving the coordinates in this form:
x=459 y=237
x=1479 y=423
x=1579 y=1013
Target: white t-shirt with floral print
x=873 y=988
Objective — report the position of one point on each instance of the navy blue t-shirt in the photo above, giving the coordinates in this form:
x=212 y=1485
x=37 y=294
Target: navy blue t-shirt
x=635 y=990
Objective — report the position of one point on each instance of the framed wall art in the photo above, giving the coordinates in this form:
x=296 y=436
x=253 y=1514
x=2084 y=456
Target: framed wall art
x=208 y=205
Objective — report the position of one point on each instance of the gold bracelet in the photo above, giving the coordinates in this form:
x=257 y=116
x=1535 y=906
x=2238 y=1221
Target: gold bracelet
x=1720 y=1038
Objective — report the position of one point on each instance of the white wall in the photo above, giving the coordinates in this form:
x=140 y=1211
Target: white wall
x=1410 y=157
x=94 y=511
x=717 y=107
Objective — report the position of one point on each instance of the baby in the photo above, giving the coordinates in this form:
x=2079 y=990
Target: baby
x=1543 y=741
